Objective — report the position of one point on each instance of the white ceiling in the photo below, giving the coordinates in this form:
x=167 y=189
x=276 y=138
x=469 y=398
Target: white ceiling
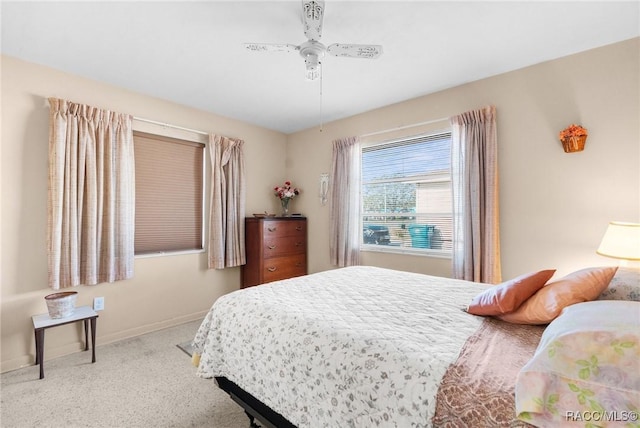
x=192 y=52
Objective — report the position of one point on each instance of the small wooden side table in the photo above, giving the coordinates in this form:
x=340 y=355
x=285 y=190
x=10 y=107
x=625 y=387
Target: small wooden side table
x=44 y=321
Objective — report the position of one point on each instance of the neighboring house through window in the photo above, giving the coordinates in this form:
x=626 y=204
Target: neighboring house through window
x=169 y=194
x=406 y=195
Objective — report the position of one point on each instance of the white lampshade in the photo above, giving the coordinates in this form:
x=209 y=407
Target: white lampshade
x=621 y=241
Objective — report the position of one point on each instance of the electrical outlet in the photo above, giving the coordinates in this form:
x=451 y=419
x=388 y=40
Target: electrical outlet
x=98 y=303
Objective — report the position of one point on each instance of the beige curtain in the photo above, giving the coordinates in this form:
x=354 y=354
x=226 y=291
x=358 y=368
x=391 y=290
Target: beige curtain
x=227 y=203
x=344 y=227
x=91 y=204
x=474 y=160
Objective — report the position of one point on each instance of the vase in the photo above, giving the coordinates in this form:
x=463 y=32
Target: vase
x=285 y=206
x=574 y=143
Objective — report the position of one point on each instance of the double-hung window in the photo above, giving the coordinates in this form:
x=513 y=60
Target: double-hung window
x=406 y=195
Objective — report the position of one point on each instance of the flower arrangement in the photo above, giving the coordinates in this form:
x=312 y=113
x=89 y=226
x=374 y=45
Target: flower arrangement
x=573 y=138
x=286 y=191
x=573 y=131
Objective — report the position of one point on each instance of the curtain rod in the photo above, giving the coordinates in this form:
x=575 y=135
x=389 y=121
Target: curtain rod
x=170 y=126
x=155 y=122
x=398 y=128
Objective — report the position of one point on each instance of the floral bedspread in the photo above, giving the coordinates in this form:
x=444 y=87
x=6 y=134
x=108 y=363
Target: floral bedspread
x=352 y=347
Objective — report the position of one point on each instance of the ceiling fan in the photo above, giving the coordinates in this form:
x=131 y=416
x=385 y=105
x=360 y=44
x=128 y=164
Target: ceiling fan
x=312 y=50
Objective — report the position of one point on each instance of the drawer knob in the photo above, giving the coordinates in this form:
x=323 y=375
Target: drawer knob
x=272 y=269
x=298 y=244
x=271 y=247
x=271 y=229
x=298 y=264
x=298 y=228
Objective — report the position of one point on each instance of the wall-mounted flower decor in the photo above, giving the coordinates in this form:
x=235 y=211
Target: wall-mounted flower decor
x=573 y=138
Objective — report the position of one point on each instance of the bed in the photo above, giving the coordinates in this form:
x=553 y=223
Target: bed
x=364 y=347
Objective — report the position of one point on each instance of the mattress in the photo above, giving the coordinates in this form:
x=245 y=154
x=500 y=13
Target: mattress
x=351 y=347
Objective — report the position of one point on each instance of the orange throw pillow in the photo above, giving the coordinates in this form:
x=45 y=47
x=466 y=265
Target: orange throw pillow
x=508 y=296
x=580 y=286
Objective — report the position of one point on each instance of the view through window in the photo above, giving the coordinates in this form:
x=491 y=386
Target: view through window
x=406 y=194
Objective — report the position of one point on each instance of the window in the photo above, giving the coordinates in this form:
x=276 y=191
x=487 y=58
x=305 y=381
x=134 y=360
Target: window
x=406 y=195
x=169 y=194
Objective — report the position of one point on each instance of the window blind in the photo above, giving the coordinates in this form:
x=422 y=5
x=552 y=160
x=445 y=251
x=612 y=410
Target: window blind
x=169 y=194
x=406 y=193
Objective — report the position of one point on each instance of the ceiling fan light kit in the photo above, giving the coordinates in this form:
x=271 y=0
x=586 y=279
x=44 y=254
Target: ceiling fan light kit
x=312 y=50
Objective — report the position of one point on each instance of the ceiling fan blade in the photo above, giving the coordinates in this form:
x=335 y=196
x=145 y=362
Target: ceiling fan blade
x=271 y=47
x=355 y=51
x=312 y=14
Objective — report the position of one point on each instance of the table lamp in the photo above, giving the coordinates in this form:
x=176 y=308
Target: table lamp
x=621 y=241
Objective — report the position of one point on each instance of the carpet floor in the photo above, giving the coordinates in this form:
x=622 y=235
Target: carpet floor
x=145 y=381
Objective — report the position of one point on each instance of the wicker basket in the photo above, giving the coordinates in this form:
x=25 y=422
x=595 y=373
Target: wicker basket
x=61 y=305
x=574 y=144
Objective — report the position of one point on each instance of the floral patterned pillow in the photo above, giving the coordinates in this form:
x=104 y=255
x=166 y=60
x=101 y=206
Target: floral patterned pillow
x=625 y=285
x=585 y=370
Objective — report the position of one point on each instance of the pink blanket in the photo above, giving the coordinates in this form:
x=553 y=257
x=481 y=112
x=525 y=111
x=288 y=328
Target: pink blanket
x=478 y=389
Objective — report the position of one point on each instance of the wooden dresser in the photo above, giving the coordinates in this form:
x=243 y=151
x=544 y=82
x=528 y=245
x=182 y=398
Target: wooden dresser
x=276 y=249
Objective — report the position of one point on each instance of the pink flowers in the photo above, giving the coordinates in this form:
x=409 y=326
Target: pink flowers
x=286 y=191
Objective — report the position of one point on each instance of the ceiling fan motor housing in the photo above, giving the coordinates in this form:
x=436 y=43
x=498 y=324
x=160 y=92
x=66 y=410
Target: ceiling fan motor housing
x=312 y=51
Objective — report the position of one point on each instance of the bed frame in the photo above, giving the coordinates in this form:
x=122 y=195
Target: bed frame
x=254 y=408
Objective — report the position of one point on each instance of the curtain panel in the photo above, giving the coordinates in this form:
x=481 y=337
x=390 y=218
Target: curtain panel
x=227 y=203
x=91 y=203
x=474 y=172
x=344 y=199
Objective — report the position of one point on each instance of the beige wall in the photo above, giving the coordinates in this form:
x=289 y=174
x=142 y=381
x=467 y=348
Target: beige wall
x=554 y=206
x=165 y=290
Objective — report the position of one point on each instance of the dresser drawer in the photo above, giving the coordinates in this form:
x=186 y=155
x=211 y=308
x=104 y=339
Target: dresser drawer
x=284 y=267
x=283 y=246
x=282 y=228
